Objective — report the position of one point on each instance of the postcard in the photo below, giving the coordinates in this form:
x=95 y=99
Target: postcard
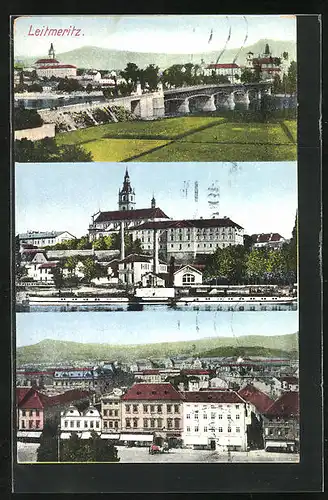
x=158 y=233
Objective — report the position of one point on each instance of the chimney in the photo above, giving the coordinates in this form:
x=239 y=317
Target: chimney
x=122 y=241
x=155 y=266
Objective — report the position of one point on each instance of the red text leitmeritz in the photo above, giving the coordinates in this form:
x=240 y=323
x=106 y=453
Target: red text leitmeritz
x=46 y=31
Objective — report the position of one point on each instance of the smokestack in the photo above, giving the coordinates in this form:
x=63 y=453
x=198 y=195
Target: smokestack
x=155 y=268
x=122 y=241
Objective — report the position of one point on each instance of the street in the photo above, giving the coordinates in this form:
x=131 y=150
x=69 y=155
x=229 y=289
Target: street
x=27 y=453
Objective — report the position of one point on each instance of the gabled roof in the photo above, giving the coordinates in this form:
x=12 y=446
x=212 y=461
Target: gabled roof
x=152 y=392
x=44 y=61
x=266 y=237
x=57 y=66
x=259 y=399
x=139 y=213
x=285 y=406
x=39 y=234
x=186 y=267
x=190 y=223
x=213 y=397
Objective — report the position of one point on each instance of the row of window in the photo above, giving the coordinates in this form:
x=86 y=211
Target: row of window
x=88 y=424
x=29 y=413
x=110 y=424
x=152 y=408
x=32 y=424
x=213 y=416
x=110 y=413
x=210 y=245
x=153 y=423
x=206 y=429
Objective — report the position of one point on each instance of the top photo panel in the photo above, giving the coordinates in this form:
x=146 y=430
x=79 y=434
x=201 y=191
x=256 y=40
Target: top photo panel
x=154 y=88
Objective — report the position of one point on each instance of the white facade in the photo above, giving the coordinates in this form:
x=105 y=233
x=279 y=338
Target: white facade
x=40 y=269
x=132 y=272
x=232 y=71
x=217 y=425
x=42 y=239
x=71 y=420
x=187 y=276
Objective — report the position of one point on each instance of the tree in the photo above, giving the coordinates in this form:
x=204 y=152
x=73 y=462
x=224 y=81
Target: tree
x=94 y=449
x=48 y=449
x=71 y=263
x=150 y=76
x=92 y=270
x=256 y=265
x=35 y=87
x=131 y=73
x=89 y=88
x=69 y=85
x=57 y=274
x=46 y=150
x=103 y=243
x=267 y=50
x=26 y=118
x=292 y=78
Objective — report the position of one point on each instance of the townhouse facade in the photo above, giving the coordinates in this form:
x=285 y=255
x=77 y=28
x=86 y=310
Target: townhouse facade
x=74 y=421
x=111 y=410
x=281 y=423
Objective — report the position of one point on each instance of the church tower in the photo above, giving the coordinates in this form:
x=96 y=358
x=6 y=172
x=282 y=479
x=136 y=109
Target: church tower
x=153 y=202
x=126 y=195
x=51 y=52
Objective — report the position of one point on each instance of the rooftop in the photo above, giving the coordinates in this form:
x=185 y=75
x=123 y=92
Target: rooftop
x=197 y=223
x=164 y=391
x=213 y=397
x=139 y=213
x=285 y=406
x=259 y=399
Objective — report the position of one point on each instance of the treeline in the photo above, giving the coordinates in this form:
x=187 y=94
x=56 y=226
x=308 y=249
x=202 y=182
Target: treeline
x=47 y=150
x=237 y=265
x=112 y=242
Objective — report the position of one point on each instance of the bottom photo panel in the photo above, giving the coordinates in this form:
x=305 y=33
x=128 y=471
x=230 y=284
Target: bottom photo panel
x=158 y=385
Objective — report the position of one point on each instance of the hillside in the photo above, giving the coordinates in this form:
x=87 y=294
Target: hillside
x=61 y=351
x=99 y=58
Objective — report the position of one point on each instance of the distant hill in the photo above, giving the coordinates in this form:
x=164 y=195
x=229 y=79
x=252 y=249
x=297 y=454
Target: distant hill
x=61 y=351
x=89 y=57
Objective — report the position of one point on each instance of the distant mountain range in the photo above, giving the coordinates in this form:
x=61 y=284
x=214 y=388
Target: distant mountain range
x=89 y=57
x=56 y=351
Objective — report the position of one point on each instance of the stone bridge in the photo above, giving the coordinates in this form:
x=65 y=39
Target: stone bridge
x=208 y=97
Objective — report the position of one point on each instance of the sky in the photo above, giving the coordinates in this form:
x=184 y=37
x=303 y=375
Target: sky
x=261 y=197
x=153 y=33
x=137 y=327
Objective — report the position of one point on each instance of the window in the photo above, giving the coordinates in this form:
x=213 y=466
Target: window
x=188 y=415
x=229 y=429
x=145 y=422
x=196 y=429
x=220 y=429
x=85 y=424
x=97 y=424
x=30 y=424
x=110 y=423
x=159 y=408
x=105 y=413
x=23 y=424
x=237 y=429
x=229 y=416
x=177 y=423
x=220 y=416
x=237 y=416
x=116 y=424
x=135 y=408
x=160 y=422
x=128 y=423
x=145 y=408
x=176 y=409
x=169 y=408
x=237 y=407
x=152 y=409
x=66 y=423
x=91 y=424
x=180 y=247
x=127 y=408
x=71 y=424
x=196 y=416
x=188 y=429
x=169 y=423
x=116 y=413
x=135 y=422
x=110 y=412
x=213 y=415
x=188 y=278
x=205 y=429
x=152 y=422
x=205 y=416
x=105 y=424
x=37 y=413
x=23 y=413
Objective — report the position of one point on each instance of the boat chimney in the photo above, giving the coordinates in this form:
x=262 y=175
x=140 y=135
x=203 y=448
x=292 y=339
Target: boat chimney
x=155 y=267
x=122 y=241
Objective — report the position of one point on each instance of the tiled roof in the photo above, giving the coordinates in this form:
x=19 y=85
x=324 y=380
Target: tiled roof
x=266 y=237
x=259 y=399
x=192 y=268
x=33 y=399
x=213 y=397
x=223 y=66
x=139 y=213
x=21 y=393
x=195 y=371
x=43 y=61
x=57 y=66
x=68 y=396
x=152 y=392
x=198 y=223
x=287 y=405
x=35 y=235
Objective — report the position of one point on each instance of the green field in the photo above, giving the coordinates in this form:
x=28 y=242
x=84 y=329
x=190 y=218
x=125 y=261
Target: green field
x=61 y=351
x=188 y=138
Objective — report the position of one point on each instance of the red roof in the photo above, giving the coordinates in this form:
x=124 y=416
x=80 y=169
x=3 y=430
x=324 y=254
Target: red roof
x=259 y=399
x=47 y=265
x=223 y=65
x=35 y=399
x=57 y=66
x=213 y=397
x=140 y=213
x=68 y=397
x=21 y=393
x=152 y=392
x=46 y=61
x=266 y=237
x=198 y=223
x=195 y=372
x=286 y=406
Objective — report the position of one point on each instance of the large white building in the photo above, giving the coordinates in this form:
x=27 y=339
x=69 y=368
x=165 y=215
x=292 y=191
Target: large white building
x=231 y=70
x=42 y=239
x=172 y=238
x=52 y=67
x=215 y=419
x=82 y=423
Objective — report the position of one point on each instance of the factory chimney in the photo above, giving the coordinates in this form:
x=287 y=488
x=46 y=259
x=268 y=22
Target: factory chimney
x=122 y=242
